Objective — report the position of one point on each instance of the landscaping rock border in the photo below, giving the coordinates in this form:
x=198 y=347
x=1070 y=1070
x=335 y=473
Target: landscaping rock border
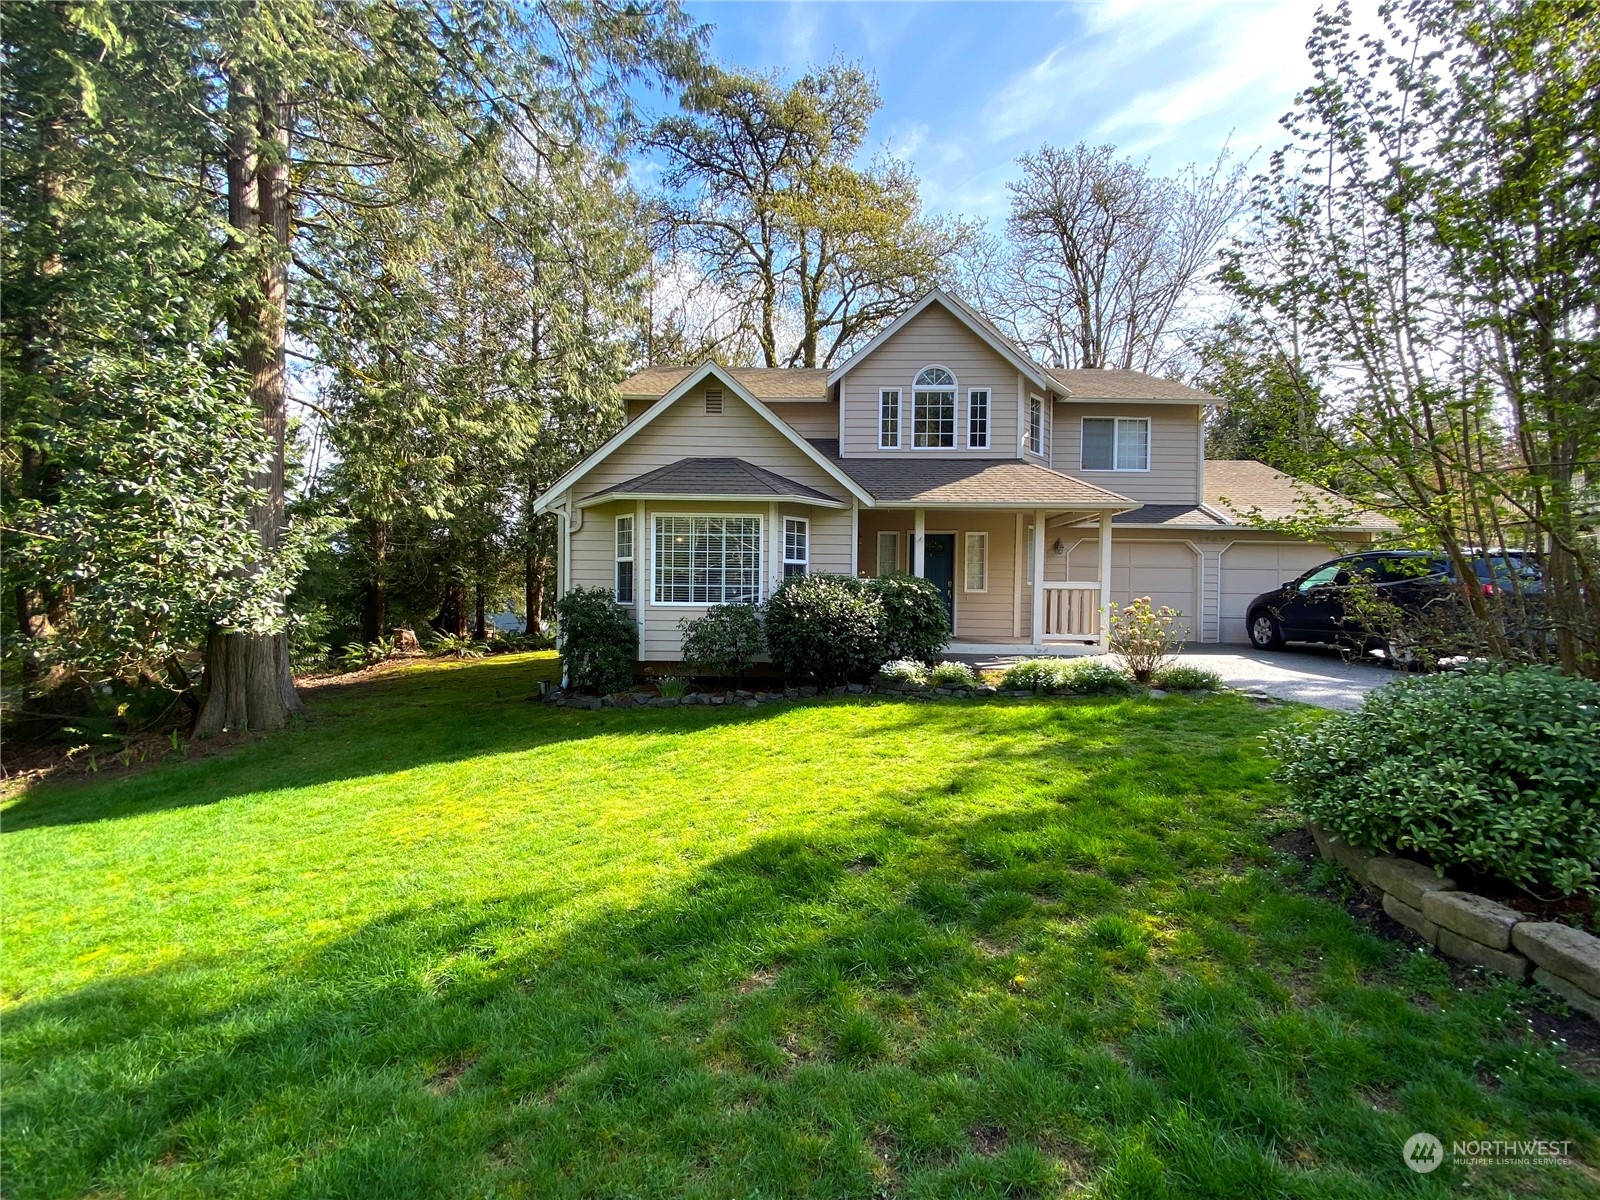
x=1474 y=929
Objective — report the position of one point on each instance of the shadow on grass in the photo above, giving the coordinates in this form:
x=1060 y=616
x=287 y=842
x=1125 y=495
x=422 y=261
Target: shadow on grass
x=417 y=718
x=1000 y=1004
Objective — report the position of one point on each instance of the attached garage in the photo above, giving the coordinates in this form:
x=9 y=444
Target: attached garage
x=1165 y=571
x=1250 y=569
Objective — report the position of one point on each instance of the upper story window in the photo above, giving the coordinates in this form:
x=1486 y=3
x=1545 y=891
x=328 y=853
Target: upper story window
x=1116 y=444
x=978 y=419
x=889 y=419
x=1036 y=424
x=933 y=409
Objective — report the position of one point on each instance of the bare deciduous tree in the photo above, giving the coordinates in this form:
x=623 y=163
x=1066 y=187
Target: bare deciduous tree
x=1102 y=255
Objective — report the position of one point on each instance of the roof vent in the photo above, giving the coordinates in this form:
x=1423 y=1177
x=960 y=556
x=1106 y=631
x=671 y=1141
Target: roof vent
x=713 y=400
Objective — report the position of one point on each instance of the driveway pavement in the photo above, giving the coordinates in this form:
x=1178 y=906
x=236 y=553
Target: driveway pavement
x=1310 y=674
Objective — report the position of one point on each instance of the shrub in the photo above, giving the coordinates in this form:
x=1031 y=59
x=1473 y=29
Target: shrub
x=724 y=642
x=952 y=675
x=672 y=687
x=829 y=627
x=1184 y=678
x=905 y=672
x=1084 y=677
x=448 y=645
x=1091 y=678
x=1145 y=638
x=1499 y=773
x=599 y=640
x=1035 y=674
x=916 y=623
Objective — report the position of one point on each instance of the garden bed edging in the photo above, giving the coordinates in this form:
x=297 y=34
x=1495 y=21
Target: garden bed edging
x=1474 y=929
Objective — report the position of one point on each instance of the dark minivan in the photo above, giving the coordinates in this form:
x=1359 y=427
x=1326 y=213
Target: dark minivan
x=1312 y=608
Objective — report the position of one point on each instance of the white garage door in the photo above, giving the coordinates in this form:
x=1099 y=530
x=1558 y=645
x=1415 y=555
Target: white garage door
x=1248 y=570
x=1164 y=571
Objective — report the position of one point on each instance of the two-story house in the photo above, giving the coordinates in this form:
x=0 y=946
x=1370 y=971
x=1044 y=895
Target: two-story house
x=1030 y=496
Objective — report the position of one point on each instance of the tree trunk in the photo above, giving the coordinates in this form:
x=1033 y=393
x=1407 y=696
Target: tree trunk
x=533 y=590
x=480 y=616
x=375 y=596
x=249 y=683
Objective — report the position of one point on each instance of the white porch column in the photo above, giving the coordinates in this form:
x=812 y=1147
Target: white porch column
x=1105 y=580
x=1036 y=630
x=917 y=561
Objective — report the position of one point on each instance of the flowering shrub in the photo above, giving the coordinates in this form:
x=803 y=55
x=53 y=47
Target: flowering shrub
x=952 y=675
x=904 y=672
x=1145 y=638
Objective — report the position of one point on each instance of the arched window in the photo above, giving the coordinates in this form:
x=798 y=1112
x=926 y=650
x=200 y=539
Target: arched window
x=933 y=409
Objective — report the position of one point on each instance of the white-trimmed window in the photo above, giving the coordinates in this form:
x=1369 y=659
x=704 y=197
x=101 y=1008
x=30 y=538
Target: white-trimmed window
x=976 y=563
x=1036 y=424
x=624 y=578
x=1116 y=444
x=933 y=409
x=888 y=552
x=796 y=546
x=707 y=560
x=978 y=419
x=889 y=419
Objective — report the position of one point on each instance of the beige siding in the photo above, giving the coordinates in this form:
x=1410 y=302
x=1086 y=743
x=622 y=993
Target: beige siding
x=932 y=336
x=980 y=616
x=686 y=430
x=810 y=420
x=1175 y=432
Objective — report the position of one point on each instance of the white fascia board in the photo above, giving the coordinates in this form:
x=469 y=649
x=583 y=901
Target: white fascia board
x=703 y=371
x=711 y=497
x=963 y=313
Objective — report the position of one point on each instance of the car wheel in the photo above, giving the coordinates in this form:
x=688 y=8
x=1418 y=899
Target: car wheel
x=1264 y=631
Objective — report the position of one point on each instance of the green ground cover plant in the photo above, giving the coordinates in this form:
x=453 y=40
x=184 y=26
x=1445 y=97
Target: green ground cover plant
x=441 y=942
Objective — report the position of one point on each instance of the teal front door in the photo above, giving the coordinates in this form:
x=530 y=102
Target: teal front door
x=939 y=569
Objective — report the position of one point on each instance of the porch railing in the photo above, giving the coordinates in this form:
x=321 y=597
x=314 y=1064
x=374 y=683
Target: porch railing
x=1071 y=611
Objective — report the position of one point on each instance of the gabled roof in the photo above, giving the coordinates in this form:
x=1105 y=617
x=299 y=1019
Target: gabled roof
x=711 y=479
x=764 y=383
x=969 y=317
x=705 y=370
x=1235 y=486
x=1000 y=483
x=1101 y=384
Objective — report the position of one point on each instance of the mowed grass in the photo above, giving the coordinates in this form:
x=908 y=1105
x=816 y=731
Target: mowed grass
x=443 y=942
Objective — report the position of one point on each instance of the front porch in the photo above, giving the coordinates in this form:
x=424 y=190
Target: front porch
x=994 y=565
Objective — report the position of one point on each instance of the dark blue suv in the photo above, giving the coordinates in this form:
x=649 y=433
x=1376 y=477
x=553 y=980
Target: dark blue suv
x=1318 y=606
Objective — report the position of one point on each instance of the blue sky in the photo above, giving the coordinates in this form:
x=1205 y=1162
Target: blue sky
x=967 y=87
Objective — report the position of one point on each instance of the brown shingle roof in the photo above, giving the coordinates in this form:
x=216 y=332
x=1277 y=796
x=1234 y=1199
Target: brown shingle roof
x=1234 y=486
x=1099 y=384
x=968 y=481
x=731 y=477
x=764 y=383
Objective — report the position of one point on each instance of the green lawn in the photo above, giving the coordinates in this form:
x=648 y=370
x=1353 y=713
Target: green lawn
x=447 y=943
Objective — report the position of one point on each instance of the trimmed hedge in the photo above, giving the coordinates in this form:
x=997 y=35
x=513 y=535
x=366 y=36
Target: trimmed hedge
x=827 y=627
x=916 y=623
x=1497 y=772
